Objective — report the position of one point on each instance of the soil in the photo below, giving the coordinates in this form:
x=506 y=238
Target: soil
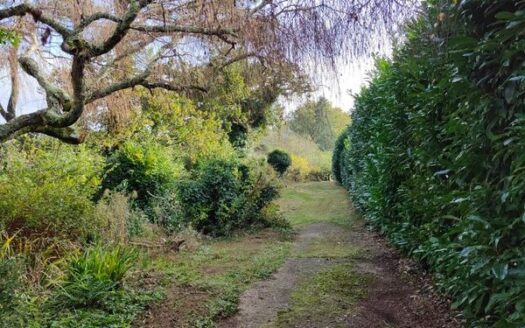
x=175 y=310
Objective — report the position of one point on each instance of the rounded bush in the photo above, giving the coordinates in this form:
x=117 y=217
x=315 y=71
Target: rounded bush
x=279 y=160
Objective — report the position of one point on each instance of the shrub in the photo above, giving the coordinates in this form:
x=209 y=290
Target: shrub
x=91 y=277
x=260 y=188
x=279 y=160
x=166 y=211
x=209 y=199
x=46 y=189
x=319 y=175
x=434 y=157
x=299 y=169
x=222 y=196
x=337 y=157
x=142 y=168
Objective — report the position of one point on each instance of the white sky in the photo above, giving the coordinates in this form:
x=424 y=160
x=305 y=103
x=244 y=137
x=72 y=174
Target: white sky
x=352 y=77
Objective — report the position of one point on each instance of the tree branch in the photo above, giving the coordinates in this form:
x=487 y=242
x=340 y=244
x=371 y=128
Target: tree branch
x=122 y=85
x=95 y=17
x=23 y=9
x=171 y=87
x=15 y=85
x=121 y=30
x=67 y=135
x=219 y=32
x=22 y=124
x=53 y=93
x=3 y=113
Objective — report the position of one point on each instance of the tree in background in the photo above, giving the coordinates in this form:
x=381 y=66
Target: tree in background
x=320 y=121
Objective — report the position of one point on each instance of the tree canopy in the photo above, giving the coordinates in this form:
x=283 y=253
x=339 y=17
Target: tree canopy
x=85 y=55
x=320 y=121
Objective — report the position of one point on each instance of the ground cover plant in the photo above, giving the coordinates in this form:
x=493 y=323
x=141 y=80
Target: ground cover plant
x=434 y=157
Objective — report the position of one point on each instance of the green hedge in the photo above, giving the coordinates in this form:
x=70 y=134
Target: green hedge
x=435 y=155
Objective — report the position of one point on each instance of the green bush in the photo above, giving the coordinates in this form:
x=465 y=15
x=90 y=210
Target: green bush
x=434 y=157
x=47 y=188
x=337 y=157
x=279 y=160
x=222 y=196
x=92 y=277
x=145 y=169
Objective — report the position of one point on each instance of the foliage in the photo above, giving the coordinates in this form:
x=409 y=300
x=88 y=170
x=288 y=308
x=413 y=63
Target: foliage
x=434 y=157
x=11 y=271
x=145 y=168
x=299 y=169
x=119 y=309
x=8 y=36
x=243 y=96
x=222 y=196
x=48 y=187
x=309 y=163
x=91 y=277
x=194 y=134
x=320 y=121
x=279 y=160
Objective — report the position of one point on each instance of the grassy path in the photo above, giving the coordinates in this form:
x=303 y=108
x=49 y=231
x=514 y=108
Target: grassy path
x=332 y=273
x=338 y=274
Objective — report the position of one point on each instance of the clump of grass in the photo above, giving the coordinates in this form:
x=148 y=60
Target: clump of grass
x=91 y=277
x=332 y=247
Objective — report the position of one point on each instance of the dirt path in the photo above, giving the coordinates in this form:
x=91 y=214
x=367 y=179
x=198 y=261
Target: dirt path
x=260 y=304
x=340 y=274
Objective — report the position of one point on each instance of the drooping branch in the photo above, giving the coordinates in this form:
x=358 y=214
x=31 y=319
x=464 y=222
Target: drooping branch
x=54 y=94
x=10 y=113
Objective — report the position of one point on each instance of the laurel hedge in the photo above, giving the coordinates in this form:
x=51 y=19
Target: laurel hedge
x=435 y=155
